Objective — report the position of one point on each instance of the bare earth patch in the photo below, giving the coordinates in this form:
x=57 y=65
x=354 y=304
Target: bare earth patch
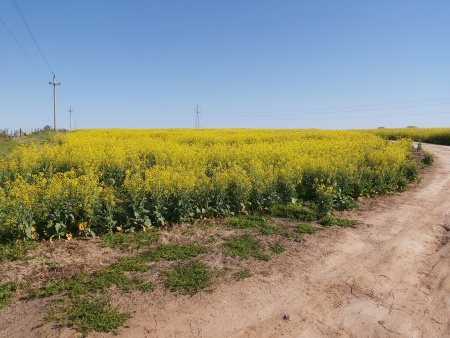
x=389 y=277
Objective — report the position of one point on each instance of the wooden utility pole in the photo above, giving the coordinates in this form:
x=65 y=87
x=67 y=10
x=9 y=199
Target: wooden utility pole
x=70 y=111
x=54 y=100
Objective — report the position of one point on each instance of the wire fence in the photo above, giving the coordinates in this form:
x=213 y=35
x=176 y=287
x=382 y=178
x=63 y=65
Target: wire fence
x=8 y=134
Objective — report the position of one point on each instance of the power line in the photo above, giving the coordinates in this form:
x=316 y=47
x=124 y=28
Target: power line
x=336 y=112
x=23 y=50
x=31 y=33
x=333 y=118
x=322 y=109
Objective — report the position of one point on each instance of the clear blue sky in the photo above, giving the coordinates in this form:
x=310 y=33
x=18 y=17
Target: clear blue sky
x=293 y=64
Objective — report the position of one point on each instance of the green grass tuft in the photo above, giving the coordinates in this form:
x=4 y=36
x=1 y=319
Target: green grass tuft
x=16 y=250
x=253 y=221
x=246 y=222
x=244 y=246
x=188 y=278
x=242 y=274
x=7 y=291
x=293 y=211
x=343 y=222
x=94 y=313
x=277 y=248
x=306 y=229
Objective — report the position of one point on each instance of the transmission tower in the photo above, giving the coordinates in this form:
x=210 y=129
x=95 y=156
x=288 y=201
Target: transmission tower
x=197 y=117
x=54 y=100
x=70 y=112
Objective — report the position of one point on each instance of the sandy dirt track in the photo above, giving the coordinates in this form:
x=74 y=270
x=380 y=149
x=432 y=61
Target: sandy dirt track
x=389 y=277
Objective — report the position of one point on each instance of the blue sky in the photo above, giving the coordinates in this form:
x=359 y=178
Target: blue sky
x=285 y=64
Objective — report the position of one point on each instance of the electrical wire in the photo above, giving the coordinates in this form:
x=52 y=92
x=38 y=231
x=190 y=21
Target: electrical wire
x=329 y=118
x=31 y=33
x=338 y=112
x=23 y=50
x=322 y=109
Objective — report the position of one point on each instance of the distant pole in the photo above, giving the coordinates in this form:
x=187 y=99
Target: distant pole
x=197 y=117
x=54 y=100
x=70 y=112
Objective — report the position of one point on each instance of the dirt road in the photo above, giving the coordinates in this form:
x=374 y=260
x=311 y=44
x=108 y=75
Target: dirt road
x=387 y=278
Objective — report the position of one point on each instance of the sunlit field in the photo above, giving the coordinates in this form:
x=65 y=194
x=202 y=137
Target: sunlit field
x=91 y=182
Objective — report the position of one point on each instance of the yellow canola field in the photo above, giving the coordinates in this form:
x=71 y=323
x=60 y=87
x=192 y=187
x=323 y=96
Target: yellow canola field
x=98 y=180
x=428 y=135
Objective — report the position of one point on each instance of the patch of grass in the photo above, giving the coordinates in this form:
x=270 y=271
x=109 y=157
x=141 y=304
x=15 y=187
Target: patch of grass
x=135 y=240
x=188 y=278
x=73 y=286
x=289 y=234
x=147 y=287
x=7 y=291
x=246 y=222
x=252 y=221
x=277 y=248
x=293 y=211
x=14 y=251
x=242 y=274
x=343 y=222
x=306 y=228
x=6 y=146
x=114 y=274
x=93 y=313
x=224 y=271
x=328 y=220
x=269 y=229
x=244 y=246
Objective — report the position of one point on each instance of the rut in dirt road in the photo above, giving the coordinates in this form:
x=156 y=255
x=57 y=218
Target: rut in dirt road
x=387 y=278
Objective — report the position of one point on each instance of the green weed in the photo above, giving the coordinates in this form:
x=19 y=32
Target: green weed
x=306 y=228
x=428 y=159
x=16 y=250
x=244 y=246
x=293 y=211
x=245 y=222
x=277 y=248
x=343 y=222
x=93 y=313
x=6 y=293
x=242 y=274
x=188 y=278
